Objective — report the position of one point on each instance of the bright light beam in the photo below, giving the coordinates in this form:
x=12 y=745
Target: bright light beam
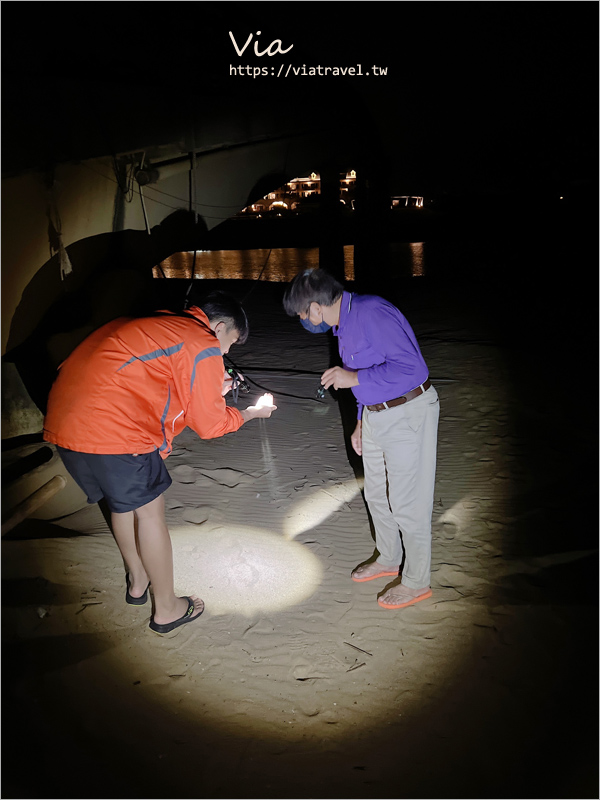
x=313 y=510
x=243 y=570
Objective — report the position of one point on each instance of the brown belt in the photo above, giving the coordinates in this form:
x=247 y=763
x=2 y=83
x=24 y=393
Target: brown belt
x=398 y=401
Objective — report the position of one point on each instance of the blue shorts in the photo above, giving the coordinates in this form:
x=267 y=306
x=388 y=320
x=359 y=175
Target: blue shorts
x=125 y=481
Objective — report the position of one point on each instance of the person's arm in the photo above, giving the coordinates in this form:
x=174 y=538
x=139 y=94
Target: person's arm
x=394 y=339
x=339 y=378
x=258 y=411
x=208 y=414
x=387 y=331
x=356 y=438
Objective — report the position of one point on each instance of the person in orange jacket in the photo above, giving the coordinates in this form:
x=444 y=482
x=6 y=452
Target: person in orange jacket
x=117 y=403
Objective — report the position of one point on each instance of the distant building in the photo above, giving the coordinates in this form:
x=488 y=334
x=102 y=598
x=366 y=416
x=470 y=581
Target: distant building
x=302 y=194
x=299 y=194
x=407 y=201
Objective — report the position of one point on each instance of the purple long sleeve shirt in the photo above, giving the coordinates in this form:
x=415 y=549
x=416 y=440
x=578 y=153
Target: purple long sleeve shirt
x=375 y=338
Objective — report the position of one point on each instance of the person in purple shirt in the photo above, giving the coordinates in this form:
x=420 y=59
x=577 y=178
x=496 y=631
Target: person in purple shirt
x=396 y=429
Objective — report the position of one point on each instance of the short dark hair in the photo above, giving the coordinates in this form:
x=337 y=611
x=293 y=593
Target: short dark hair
x=221 y=307
x=311 y=286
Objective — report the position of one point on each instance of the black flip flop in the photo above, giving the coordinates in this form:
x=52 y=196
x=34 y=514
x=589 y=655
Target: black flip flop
x=135 y=601
x=170 y=626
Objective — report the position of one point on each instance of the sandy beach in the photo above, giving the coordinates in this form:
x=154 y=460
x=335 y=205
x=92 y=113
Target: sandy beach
x=295 y=683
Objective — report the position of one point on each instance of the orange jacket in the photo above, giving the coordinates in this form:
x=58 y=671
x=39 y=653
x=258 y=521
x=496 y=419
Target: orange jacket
x=134 y=384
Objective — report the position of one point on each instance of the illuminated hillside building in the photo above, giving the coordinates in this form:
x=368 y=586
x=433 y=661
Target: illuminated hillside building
x=301 y=194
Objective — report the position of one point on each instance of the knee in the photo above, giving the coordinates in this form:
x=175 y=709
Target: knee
x=152 y=510
x=377 y=499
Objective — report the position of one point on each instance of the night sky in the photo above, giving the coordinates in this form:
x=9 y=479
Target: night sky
x=495 y=97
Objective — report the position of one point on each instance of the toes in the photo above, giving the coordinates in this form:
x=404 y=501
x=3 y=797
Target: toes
x=198 y=606
x=367 y=569
x=396 y=597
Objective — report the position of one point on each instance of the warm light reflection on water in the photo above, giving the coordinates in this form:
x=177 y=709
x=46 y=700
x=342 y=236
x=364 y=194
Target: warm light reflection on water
x=280 y=264
x=418 y=265
x=409 y=258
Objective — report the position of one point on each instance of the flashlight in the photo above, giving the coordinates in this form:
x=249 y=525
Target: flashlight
x=238 y=381
x=238 y=384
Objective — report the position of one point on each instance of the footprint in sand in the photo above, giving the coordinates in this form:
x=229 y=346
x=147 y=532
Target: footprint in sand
x=244 y=575
x=172 y=504
x=225 y=476
x=196 y=515
x=184 y=474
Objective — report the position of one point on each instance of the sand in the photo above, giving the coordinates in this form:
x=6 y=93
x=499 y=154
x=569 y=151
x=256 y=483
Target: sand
x=295 y=683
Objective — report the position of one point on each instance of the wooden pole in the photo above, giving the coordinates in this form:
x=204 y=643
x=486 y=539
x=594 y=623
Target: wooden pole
x=35 y=500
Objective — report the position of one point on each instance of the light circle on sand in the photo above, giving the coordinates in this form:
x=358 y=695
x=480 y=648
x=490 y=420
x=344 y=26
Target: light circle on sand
x=245 y=570
x=317 y=507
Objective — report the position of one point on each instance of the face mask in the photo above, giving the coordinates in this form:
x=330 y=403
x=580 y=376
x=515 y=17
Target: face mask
x=321 y=328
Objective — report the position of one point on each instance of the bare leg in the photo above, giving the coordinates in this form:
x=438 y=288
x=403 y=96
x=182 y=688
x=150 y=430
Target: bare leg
x=124 y=531
x=157 y=557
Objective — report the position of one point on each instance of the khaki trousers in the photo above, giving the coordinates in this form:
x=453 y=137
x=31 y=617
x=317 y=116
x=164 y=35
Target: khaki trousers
x=399 y=448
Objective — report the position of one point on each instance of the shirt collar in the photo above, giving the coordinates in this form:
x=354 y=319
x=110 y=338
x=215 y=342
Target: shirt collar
x=195 y=311
x=344 y=311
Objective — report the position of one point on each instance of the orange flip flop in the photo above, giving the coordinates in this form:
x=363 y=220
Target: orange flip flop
x=409 y=603
x=382 y=574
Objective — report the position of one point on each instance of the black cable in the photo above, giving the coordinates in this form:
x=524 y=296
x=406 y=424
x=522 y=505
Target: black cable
x=285 y=370
x=256 y=280
x=160 y=202
x=127 y=190
x=265 y=388
x=189 y=289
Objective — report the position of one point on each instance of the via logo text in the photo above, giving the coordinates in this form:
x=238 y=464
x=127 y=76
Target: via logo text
x=272 y=50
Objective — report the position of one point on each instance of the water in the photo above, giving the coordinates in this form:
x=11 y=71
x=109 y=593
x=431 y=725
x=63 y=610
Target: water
x=283 y=263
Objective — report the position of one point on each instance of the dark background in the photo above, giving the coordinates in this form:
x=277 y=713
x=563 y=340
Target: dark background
x=497 y=97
